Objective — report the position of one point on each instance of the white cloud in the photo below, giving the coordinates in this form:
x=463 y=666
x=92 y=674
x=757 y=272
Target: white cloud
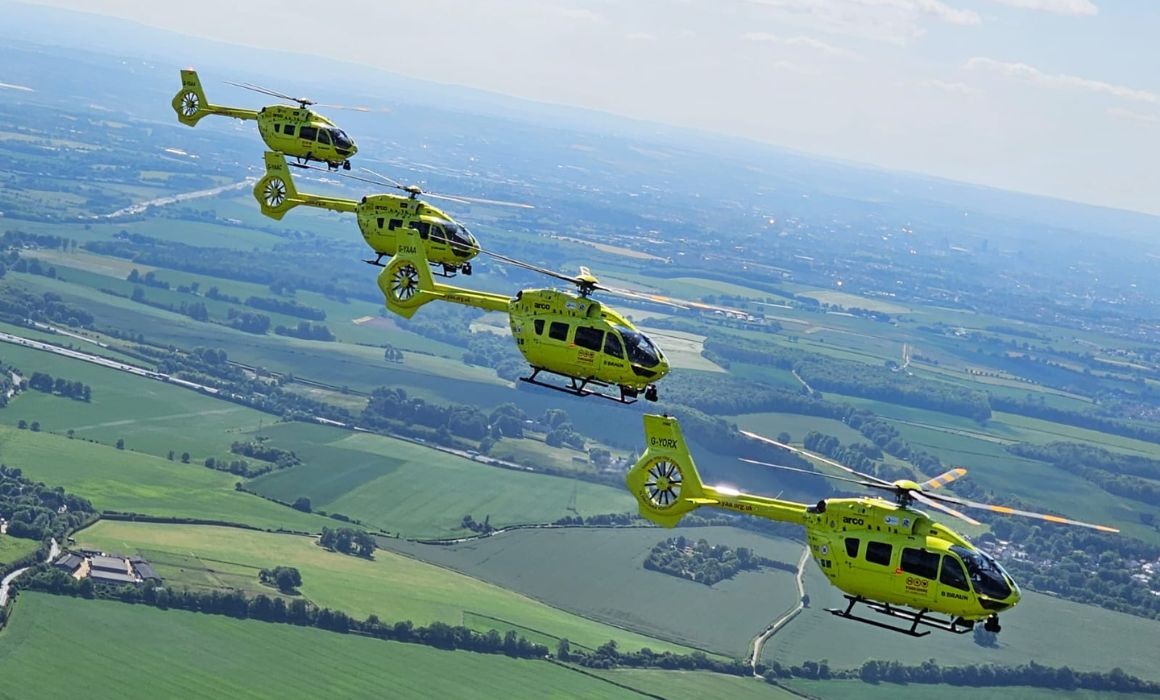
x=1074 y=8
x=1137 y=117
x=944 y=86
x=808 y=42
x=640 y=36
x=891 y=21
x=581 y=14
x=1023 y=71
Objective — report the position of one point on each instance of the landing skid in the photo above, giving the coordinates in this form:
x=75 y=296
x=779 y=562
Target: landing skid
x=914 y=618
x=579 y=387
x=437 y=268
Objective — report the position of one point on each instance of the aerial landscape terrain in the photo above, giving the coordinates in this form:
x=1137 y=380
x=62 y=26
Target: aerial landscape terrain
x=227 y=469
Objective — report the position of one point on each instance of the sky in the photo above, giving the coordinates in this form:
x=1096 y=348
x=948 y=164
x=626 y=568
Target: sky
x=1052 y=97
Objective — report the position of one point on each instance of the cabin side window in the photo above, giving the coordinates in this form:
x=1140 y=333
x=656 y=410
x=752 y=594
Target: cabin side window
x=852 y=547
x=879 y=553
x=612 y=345
x=422 y=227
x=952 y=574
x=539 y=326
x=288 y=130
x=438 y=235
x=277 y=128
x=308 y=133
x=558 y=331
x=919 y=562
x=589 y=338
x=380 y=221
x=323 y=137
x=394 y=224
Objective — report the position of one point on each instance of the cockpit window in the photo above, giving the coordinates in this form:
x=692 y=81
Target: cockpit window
x=324 y=136
x=640 y=349
x=986 y=575
x=341 y=140
x=952 y=574
x=459 y=237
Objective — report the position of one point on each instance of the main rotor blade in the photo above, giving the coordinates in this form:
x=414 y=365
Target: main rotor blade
x=811 y=455
x=353 y=108
x=533 y=268
x=946 y=509
x=446 y=198
x=389 y=181
x=339 y=173
x=860 y=482
x=267 y=91
x=672 y=301
x=480 y=200
x=943 y=479
x=1006 y=510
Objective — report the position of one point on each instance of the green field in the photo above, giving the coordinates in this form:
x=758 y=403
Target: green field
x=418 y=491
x=770 y=424
x=151 y=416
x=127 y=481
x=599 y=573
x=114 y=651
x=857 y=690
x=1047 y=630
x=392 y=586
x=13 y=548
x=698 y=685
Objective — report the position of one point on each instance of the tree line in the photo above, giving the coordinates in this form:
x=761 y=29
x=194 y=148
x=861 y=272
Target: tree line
x=706 y=563
x=42 y=381
x=35 y=511
x=1128 y=476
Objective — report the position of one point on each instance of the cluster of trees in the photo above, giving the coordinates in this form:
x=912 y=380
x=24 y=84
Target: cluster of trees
x=217 y=295
x=149 y=279
x=470 y=523
x=1129 y=476
x=1030 y=407
x=600 y=520
x=348 y=541
x=391 y=409
x=993 y=675
x=35 y=511
x=42 y=381
x=609 y=655
x=307 y=331
x=286 y=578
x=238 y=467
x=703 y=562
x=263 y=450
x=17 y=306
x=497 y=352
x=33 y=266
x=258 y=324
x=289 y=307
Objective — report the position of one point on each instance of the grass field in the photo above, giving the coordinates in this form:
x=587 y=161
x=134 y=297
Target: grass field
x=1050 y=631
x=151 y=416
x=392 y=586
x=770 y=424
x=127 y=481
x=857 y=690
x=699 y=685
x=54 y=645
x=13 y=548
x=417 y=491
x=599 y=573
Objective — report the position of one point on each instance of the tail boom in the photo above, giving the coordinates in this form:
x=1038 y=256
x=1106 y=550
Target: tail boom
x=191 y=104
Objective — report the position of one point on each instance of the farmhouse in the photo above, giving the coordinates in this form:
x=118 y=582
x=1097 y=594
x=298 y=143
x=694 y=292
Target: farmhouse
x=106 y=568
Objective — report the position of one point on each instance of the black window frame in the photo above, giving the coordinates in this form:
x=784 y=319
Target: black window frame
x=323 y=137
x=394 y=224
x=612 y=345
x=288 y=130
x=539 y=324
x=589 y=338
x=875 y=550
x=312 y=130
x=949 y=563
x=853 y=544
x=920 y=562
x=553 y=330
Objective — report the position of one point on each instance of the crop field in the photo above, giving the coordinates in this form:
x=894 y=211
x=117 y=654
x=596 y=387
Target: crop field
x=1050 y=631
x=141 y=651
x=392 y=586
x=127 y=481
x=857 y=690
x=699 y=685
x=417 y=491
x=13 y=548
x=151 y=416
x=599 y=573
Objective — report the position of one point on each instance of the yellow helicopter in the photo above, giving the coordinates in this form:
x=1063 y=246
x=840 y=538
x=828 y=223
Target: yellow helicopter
x=449 y=246
x=295 y=131
x=891 y=557
x=570 y=335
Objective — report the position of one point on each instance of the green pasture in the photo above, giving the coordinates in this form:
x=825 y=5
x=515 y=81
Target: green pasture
x=418 y=491
x=113 y=650
x=128 y=481
x=392 y=586
x=151 y=416
x=1049 y=631
x=857 y=690
x=599 y=573
x=697 y=685
x=13 y=548
x=534 y=451
x=798 y=426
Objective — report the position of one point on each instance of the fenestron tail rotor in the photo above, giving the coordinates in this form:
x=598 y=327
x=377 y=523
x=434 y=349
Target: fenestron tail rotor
x=404 y=283
x=190 y=104
x=906 y=491
x=663 y=485
x=274 y=194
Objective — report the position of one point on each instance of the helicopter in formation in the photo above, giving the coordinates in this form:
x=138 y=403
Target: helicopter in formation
x=558 y=332
x=449 y=246
x=297 y=132
x=887 y=555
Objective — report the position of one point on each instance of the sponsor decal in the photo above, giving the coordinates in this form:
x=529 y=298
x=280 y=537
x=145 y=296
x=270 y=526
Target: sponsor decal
x=847 y=520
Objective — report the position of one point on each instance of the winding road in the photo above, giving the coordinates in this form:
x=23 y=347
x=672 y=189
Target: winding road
x=53 y=553
x=790 y=614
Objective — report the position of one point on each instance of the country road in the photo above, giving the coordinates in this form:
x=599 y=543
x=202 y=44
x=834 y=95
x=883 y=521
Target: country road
x=790 y=614
x=53 y=553
x=174 y=199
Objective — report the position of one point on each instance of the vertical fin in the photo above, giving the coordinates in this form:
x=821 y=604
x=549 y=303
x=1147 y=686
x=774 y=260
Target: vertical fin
x=664 y=480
